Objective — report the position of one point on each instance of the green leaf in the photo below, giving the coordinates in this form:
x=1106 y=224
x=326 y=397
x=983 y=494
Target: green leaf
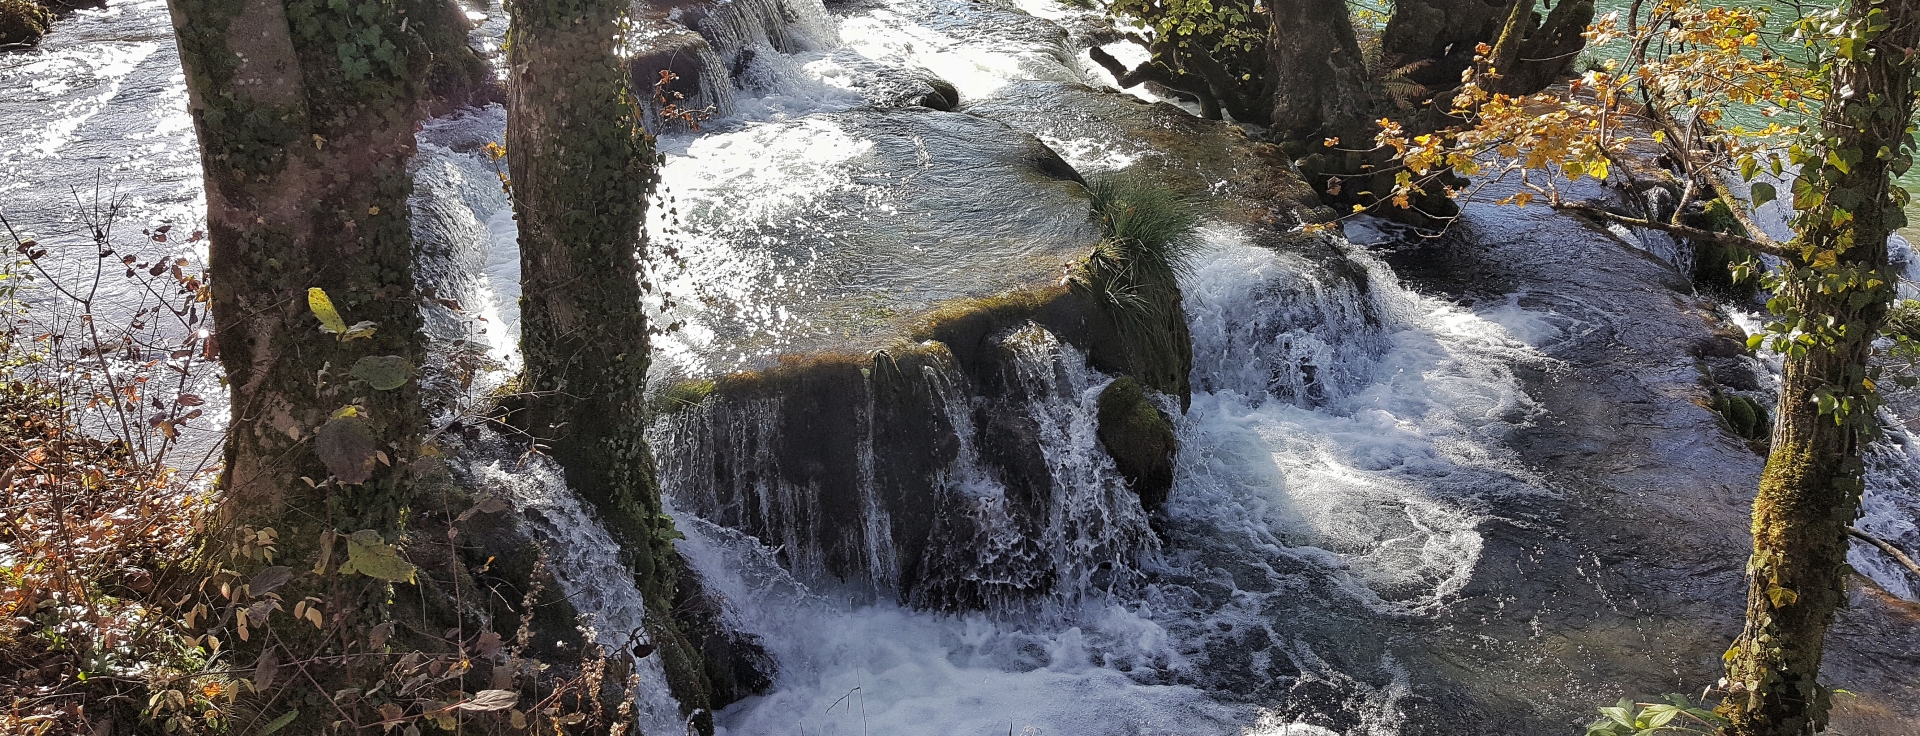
x=1659 y=715
x=383 y=372
x=1763 y=193
x=1781 y=596
x=281 y=722
x=330 y=321
x=371 y=556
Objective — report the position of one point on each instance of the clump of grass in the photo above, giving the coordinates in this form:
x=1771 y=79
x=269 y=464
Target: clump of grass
x=1149 y=244
x=1149 y=227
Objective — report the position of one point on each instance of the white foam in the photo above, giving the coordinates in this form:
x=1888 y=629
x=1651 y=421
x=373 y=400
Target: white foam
x=881 y=669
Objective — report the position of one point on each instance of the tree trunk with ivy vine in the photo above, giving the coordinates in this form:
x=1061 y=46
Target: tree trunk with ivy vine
x=582 y=169
x=1810 y=490
x=305 y=112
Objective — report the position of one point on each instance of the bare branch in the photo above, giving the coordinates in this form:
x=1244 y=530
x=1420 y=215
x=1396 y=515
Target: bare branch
x=1888 y=548
x=1768 y=247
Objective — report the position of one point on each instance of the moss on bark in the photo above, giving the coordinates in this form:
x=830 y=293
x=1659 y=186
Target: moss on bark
x=582 y=170
x=23 y=22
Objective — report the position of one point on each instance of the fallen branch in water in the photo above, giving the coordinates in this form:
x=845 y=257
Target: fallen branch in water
x=1768 y=246
x=1887 y=547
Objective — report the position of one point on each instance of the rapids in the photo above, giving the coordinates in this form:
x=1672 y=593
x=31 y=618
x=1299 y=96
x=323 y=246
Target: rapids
x=1424 y=486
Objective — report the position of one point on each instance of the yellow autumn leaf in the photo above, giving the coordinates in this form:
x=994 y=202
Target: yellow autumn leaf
x=330 y=321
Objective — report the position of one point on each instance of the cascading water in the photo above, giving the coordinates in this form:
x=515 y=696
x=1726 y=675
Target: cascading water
x=867 y=508
x=584 y=559
x=1366 y=493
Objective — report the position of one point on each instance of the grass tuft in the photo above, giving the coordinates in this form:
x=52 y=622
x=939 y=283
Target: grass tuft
x=1149 y=244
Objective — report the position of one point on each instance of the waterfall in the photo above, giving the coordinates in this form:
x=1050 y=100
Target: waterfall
x=718 y=46
x=876 y=475
x=584 y=559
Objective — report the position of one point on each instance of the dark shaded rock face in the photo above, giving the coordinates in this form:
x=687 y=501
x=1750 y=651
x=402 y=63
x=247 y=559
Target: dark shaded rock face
x=1140 y=438
x=958 y=473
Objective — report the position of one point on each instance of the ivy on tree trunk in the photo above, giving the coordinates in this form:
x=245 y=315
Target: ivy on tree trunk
x=1837 y=298
x=305 y=112
x=582 y=169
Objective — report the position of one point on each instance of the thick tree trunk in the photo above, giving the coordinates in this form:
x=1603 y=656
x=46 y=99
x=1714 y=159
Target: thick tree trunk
x=581 y=172
x=1431 y=42
x=1441 y=33
x=1810 y=491
x=1320 y=84
x=305 y=113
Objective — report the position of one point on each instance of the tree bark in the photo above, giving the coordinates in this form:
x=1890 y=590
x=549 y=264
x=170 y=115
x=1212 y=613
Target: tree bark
x=305 y=113
x=1440 y=32
x=1810 y=490
x=1320 y=84
x=582 y=170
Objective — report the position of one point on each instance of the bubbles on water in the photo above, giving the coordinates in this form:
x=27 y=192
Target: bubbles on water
x=1354 y=427
x=886 y=670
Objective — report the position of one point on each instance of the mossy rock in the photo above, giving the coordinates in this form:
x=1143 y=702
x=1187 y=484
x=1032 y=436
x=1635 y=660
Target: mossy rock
x=1140 y=438
x=23 y=22
x=1713 y=262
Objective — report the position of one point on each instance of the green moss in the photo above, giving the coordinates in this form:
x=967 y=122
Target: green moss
x=997 y=309
x=1713 y=262
x=1140 y=438
x=23 y=22
x=682 y=395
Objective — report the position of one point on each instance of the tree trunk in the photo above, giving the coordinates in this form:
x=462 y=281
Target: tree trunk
x=305 y=113
x=1441 y=33
x=581 y=172
x=1810 y=491
x=1320 y=84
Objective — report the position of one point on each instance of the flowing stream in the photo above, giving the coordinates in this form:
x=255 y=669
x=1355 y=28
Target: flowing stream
x=1366 y=534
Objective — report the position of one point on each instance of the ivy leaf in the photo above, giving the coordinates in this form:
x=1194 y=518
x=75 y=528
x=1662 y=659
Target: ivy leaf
x=371 y=556
x=1763 y=193
x=347 y=445
x=330 y=321
x=1782 y=597
x=383 y=372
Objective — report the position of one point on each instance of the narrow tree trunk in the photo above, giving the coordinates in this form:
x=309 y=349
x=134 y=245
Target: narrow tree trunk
x=1320 y=84
x=305 y=113
x=581 y=172
x=1810 y=491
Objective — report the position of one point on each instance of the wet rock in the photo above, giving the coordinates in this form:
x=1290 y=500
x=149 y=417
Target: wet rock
x=699 y=86
x=1140 y=438
x=885 y=85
